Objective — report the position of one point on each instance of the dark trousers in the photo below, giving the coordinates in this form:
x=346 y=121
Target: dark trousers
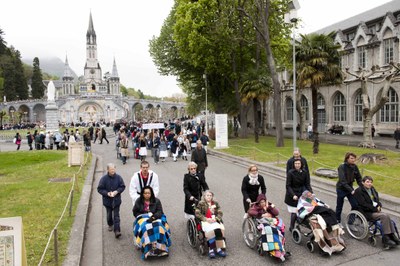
x=113 y=217
x=156 y=154
x=397 y=143
x=101 y=141
x=340 y=201
x=30 y=146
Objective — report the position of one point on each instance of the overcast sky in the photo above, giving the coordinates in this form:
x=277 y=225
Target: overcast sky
x=49 y=28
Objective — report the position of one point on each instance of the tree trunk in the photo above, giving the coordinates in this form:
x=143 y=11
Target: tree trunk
x=256 y=120
x=275 y=80
x=243 y=121
x=367 y=137
x=264 y=118
x=314 y=94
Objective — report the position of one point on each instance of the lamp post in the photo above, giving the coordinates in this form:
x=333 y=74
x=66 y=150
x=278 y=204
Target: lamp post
x=205 y=82
x=291 y=17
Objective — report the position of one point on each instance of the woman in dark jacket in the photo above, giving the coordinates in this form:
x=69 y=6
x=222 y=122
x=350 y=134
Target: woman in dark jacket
x=297 y=181
x=251 y=185
x=151 y=230
x=193 y=186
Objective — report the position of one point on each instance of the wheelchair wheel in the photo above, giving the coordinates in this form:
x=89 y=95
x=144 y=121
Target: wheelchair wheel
x=356 y=225
x=296 y=236
x=191 y=231
x=203 y=249
x=310 y=246
x=372 y=241
x=250 y=232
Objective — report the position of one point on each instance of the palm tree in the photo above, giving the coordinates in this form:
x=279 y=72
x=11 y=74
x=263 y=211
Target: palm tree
x=318 y=64
x=256 y=87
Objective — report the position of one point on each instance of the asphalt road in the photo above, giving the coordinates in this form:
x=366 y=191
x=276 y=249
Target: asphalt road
x=224 y=178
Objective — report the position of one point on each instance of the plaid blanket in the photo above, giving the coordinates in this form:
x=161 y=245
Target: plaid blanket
x=272 y=238
x=152 y=237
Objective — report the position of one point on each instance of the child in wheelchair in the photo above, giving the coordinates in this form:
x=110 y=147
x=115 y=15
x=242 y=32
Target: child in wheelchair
x=370 y=206
x=322 y=221
x=209 y=213
x=271 y=229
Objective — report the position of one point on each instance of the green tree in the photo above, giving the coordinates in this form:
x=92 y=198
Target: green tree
x=255 y=88
x=141 y=95
x=318 y=64
x=37 y=80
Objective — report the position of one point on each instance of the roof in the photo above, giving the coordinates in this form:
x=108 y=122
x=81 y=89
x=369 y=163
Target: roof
x=372 y=14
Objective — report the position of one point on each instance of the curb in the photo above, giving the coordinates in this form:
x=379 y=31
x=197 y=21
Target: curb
x=391 y=204
x=77 y=235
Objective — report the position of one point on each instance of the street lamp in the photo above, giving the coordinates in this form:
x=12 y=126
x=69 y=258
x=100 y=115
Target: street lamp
x=291 y=17
x=205 y=82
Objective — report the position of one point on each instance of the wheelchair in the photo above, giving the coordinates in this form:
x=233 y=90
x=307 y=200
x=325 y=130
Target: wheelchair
x=196 y=236
x=253 y=238
x=359 y=227
x=302 y=229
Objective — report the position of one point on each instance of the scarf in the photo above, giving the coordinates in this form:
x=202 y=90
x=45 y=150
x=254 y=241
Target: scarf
x=253 y=179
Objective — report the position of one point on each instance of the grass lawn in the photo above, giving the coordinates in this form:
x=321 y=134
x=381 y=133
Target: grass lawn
x=25 y=191
x=385 y=173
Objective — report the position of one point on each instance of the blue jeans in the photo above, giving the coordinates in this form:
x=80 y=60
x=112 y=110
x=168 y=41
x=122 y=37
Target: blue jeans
x=113 y=219
x=340 y=201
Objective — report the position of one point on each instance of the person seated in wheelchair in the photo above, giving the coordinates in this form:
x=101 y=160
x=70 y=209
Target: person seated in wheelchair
x=150 y=229
x=369 y=205
x=271 y=226
x=322 y=221
x=208 y=212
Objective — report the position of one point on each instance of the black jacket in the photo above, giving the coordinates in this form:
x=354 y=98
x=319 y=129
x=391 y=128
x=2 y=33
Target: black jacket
x=252 y=191
x=290 y=164
x=193 y=186
x=347 y=174
x=296 y=183
x=155 y=207
x=365 y=202
x=111 y=183
x=200 y=158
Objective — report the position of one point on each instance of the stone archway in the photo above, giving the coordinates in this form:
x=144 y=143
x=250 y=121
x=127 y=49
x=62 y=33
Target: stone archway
x=91 y=112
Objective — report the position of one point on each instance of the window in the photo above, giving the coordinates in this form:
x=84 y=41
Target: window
x=339 y=108
x=390 y=111
x=361 y=57
x=289 y=109
x=358 y=108
x=304 y=106
x=388 y=48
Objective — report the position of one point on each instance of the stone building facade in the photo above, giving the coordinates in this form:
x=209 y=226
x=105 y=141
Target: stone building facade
x=366 y=40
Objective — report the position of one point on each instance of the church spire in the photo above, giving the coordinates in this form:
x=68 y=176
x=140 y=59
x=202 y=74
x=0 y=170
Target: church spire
x=67 y=69
x=114 y=73
x=91 y=34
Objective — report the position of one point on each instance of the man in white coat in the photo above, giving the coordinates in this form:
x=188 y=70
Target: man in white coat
x=142 y=178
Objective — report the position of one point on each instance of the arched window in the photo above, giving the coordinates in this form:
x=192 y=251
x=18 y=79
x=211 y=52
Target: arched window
x=339 y=108
x=289 y=109
x=390 y=111
x=304 y=106
x=358 y=108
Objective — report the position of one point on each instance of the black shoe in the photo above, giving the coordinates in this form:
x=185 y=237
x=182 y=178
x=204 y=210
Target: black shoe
x=117 y=234
x=395 y=239
x=110 y=228
x=387 y=242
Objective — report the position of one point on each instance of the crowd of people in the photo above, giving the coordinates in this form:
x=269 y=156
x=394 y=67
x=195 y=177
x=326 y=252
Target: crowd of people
x=152 y=234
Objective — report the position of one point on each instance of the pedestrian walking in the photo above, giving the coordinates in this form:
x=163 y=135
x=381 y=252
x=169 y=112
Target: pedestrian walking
x=111 y=186
x=310 y=131
x=372 y=130
x=123 y=145
x=297 y=181
x=103 y=136
x=296 y=155
x=348 y=172
x=397 y=136
x=251 y=185
x=18 y=140
x=142 y=178
x=199 y=156
x=29 y=138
